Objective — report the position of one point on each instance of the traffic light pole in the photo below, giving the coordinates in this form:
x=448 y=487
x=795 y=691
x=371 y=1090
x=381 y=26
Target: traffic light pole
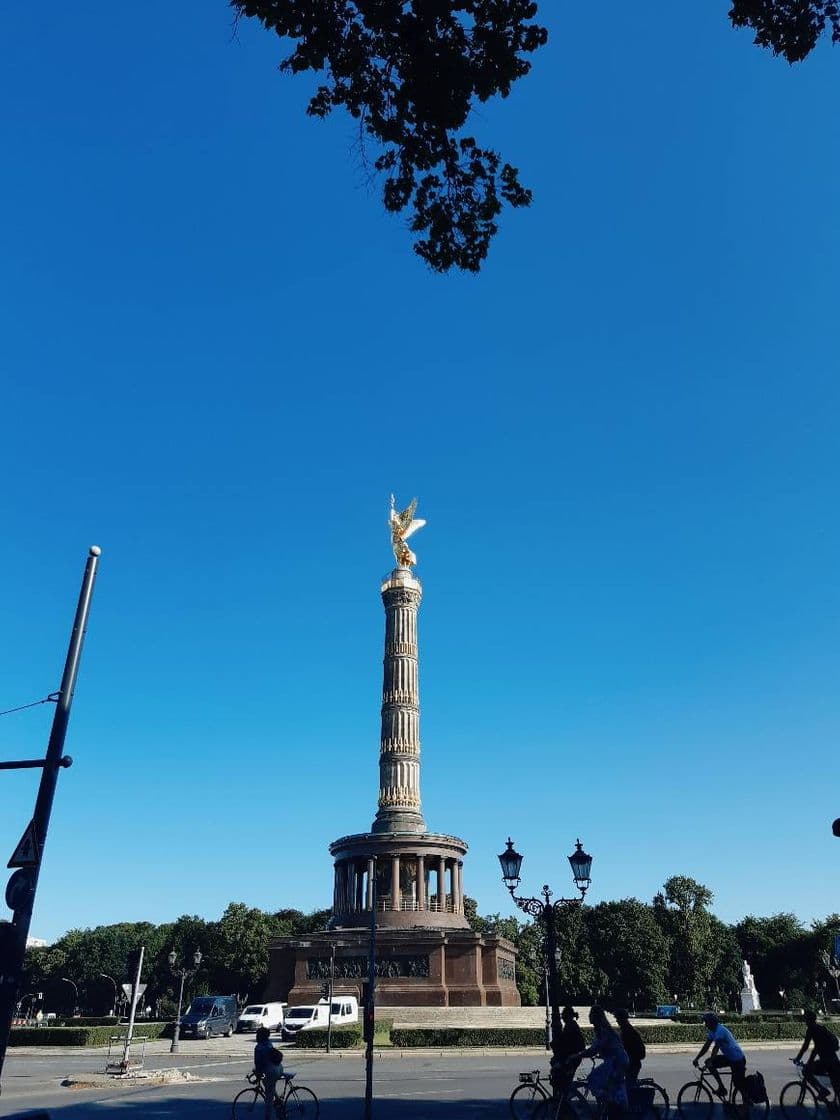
x=20 y=891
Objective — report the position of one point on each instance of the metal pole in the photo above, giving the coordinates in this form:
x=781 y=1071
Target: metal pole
x=370 y=1005
x=173 y=1049
x=13 y=942
x=330 y=997
x=551 y=953
x=135 y=995
x=547 y=1010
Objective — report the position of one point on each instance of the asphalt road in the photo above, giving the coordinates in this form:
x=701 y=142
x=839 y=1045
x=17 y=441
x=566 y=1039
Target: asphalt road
x=407 y=1085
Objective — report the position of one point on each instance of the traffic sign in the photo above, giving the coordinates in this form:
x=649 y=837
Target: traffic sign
x=18 y=888
x=27 y=853
x=129 y=988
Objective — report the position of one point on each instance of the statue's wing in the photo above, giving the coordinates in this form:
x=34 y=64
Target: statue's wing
x=405 y=517
x=418 y=523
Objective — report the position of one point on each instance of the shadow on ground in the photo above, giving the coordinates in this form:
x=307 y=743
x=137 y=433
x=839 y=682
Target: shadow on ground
x=168 y=1107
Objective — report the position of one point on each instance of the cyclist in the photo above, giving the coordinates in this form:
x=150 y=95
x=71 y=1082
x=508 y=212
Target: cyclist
x=823 y=1060
x=569 y=1046
x=632 y=1042
x=608 y=1080
x=268 y=1066
x=726 y=1053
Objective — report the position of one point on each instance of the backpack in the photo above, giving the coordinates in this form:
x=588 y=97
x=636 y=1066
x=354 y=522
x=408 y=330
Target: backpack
x=756 y=1089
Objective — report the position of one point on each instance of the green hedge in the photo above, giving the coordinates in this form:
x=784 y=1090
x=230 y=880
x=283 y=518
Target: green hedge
x=668 y=1033
x=342 y=1038
x=468 y=1036
x=752 y=1017
x=82 y=1036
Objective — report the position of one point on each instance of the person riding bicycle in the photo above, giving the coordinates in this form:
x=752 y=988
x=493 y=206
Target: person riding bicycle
x=632 y=1042
x=268 y=1066
x=567 y=1052
x=823 y=1060
x=608 y=1080
x=730 y=1056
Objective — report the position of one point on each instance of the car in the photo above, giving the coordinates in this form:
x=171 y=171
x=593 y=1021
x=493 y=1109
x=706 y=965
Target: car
x=209 y=1015
x=257 y=1015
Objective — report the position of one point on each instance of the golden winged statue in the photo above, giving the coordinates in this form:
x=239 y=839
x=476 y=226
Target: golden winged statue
x=402 y=526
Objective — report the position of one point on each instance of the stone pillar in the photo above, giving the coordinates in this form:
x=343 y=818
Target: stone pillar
x=441 y=884
x=459 y=869
x=395 y=882
x=399 y=745
x=371 y=872
x=360 y=887
x=421 y=882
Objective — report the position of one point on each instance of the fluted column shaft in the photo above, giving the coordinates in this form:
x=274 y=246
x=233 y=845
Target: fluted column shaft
x=399 y=745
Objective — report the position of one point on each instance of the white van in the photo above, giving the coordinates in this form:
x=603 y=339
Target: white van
x=345 y=1009
x=258 y=1015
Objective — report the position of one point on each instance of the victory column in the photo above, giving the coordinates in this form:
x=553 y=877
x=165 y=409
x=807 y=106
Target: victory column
x=426 y=952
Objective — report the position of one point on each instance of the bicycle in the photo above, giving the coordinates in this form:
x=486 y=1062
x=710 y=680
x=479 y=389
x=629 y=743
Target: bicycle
x=800 y=1099
x=696 y=1099
x=534 y=1101
x=645 y=1098
x=298 y=1103
x=530 y=1092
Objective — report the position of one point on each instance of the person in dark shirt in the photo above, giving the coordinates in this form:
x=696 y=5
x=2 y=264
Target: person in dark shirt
x=268 y=1066
x=632 y=1042
x=569 y=1045
x=823 y=1061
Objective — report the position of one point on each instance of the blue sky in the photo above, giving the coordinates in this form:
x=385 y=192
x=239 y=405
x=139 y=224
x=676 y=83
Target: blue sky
x=219 y=356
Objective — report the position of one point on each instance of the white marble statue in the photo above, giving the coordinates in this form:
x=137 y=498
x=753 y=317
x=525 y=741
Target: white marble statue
x=749 y=992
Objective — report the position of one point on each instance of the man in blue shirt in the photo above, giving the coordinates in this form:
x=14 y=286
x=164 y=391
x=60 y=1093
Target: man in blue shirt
x=726 y=1053
x=268 y=1066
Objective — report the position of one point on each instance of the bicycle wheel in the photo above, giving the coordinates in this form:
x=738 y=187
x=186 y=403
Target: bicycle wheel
x=798 y=1101
x=747 y=1109
x=661 y=1102
x=249 y=1102
x=302 y=1104
x=525 y=1098
x=694 y=1101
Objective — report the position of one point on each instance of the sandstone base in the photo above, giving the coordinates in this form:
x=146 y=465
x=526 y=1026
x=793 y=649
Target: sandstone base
x=415 y=968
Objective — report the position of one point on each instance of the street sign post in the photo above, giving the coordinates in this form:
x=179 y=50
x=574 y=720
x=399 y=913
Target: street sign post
x=30 y=850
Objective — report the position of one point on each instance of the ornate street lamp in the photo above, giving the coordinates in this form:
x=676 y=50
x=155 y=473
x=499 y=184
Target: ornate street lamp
x=546 y=910
x=183 y=973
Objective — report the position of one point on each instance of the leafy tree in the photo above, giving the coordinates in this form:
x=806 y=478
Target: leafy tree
x=410 y=73
x=239 y=950
x=631 y=951
x=681 y=909
x=790 y=28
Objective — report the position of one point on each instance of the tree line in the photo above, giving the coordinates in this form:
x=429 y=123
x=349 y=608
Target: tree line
x=234 y=958
x=625 y=952
x=674 y=950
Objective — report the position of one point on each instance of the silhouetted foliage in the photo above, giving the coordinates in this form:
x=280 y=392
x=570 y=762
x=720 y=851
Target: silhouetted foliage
x=410 y=72
x=790 y=28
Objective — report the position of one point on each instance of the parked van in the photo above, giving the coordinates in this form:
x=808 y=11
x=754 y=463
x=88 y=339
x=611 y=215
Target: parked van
x=345 y=1009
x=258 y=1015
x=209 y=1015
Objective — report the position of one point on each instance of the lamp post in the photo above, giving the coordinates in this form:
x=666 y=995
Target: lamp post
x=67 y=980
x=105 y=976
x=183 y=973
x=546 y=910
